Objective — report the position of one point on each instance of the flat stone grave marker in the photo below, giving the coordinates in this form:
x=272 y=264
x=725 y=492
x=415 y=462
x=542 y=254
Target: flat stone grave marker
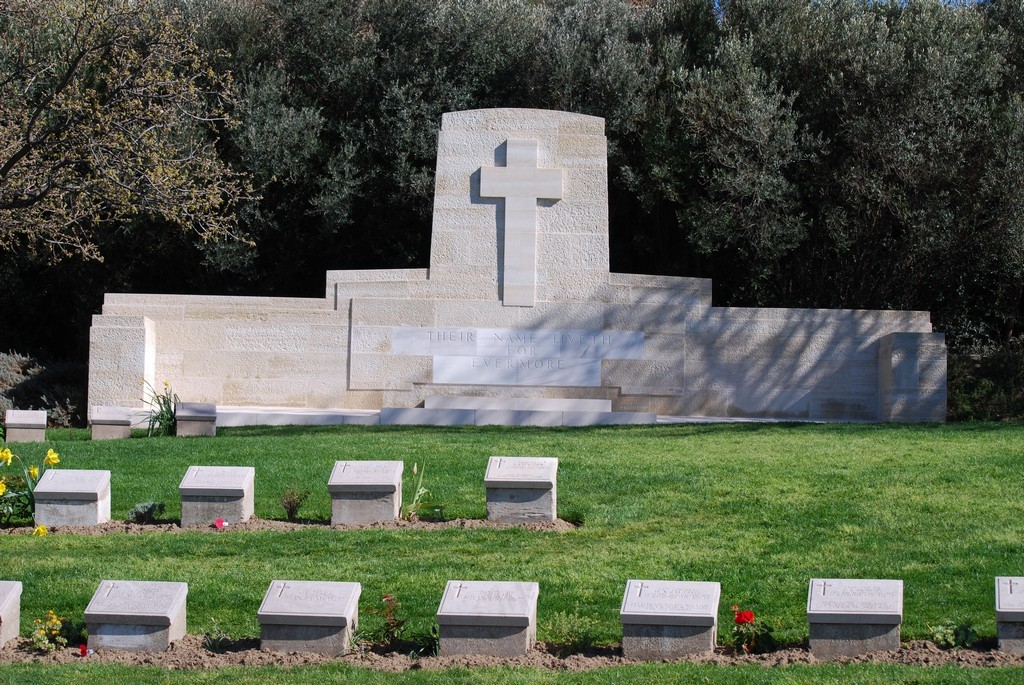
x=849 y=617
x=365 y=491
x=72 y=497
x=667 y=619
x=10 y=610
x=195 y=419
x=488 y=617
x=521 y=489
x=212 y=492
x=309 y=616
x=136 y=616
x=110 y=423
x=1010 y=613
x=25 y=425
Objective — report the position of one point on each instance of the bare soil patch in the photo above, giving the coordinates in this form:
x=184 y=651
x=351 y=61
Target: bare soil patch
x=189 y=653
x=263 y=525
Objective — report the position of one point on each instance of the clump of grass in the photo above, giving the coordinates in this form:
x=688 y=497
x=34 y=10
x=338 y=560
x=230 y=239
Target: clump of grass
x=292 y=500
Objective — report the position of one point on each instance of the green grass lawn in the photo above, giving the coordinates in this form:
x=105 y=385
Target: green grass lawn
x=761 y=508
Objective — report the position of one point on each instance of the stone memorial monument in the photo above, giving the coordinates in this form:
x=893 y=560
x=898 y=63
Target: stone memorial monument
x=72 y=497
x=519 y=304
x=209 y=493
x=110 y=423
x=1010 y=613
x=10 y=610
x=365 y=491
x=318 y=617
x=521 y=489
x=25 y=425
x=490 y=618
x=192 y=419
x=666 y=619
x=851 y=617
x=136 y=616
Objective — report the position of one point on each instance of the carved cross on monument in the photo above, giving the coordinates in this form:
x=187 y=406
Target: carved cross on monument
x=521 y=184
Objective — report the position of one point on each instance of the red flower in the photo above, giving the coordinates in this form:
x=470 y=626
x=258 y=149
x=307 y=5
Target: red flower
x=218 y=523
x=744 y=617
x=83 y=650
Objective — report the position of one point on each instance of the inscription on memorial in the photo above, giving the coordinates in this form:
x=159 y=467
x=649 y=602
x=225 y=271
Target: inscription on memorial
x=520 y=471
x=846 y=600
x=663 y=598
x=508 y=356
x=1010 y=598
x=310 y=597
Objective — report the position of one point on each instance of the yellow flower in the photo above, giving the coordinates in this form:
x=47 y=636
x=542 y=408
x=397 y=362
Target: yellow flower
x=166 y=384
x=33 y=472
x=52 y=458
x=6 y=455
x=3 y=487
x=39 y=531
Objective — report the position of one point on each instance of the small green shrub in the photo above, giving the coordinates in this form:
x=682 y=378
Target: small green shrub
x=145 y=512
x=215 y=639
x=161 y=420
x=292 y=500
x=48 y=633
x=954 y=636
x=390 y=632
x=987 y=387
x=571 y=633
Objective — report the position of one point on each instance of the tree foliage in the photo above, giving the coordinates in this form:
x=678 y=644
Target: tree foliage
x=105 y=111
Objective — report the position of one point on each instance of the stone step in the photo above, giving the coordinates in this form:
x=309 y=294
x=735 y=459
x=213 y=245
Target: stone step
x=415 y=416
x=518 y=403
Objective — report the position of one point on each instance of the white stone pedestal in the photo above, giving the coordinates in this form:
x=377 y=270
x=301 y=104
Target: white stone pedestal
x=521 y=489
x=111 y=423
x=195 y=419
x=1010 y=613
x=490 y=618
x=25 y=425
x=136 y=616
x=853 y=617
x=664 y=619
x=72 y=497
x=365 y=492
x=10 y=610
x=212 y=492
x=309 y=616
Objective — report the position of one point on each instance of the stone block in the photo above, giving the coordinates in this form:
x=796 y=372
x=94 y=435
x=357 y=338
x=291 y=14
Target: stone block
x=309 y=616
x=1010 y=613
x=72 y=497
x=397 y=416
x=25 y=425
x=212 y=492
x=521 y=403
x=850 y=617
x=489 y=618
x=365 y=492
x=195 y=419
x=111 y=423
x=521 y=489
x=607 y=418
x=10 y=610
x=664 y=619
x=136 y=616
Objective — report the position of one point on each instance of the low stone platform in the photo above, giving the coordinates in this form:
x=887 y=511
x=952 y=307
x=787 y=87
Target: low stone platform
x=489 y=618
x=110 y=423
x=664 y=619
x=1010 y=613
x=318 y=617
x=136 y=616
x=850 y=617
x=365 y=492
x=72 y=497
x=209 y=493
x=416 y=416
x=10 y=610
x=25 y=425
x=195 y=419
x=522 y=489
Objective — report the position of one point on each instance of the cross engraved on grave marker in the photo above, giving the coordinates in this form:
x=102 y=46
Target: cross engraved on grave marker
x=640 y=587
x=281 y=589
x=109 y=588
x=458 y=589
x=521 y=183
x=823 y=586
